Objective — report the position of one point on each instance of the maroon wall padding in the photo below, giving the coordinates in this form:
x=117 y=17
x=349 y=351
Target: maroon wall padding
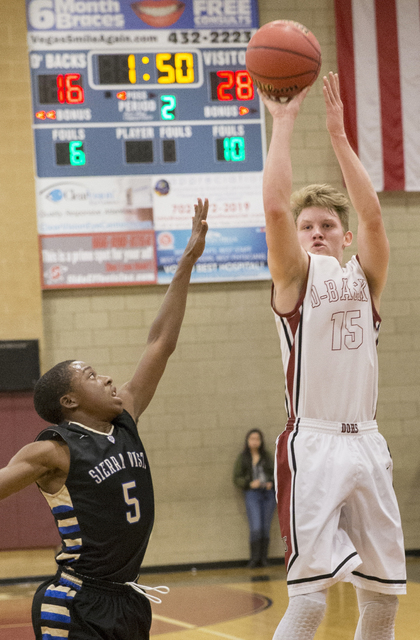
x=25 y=518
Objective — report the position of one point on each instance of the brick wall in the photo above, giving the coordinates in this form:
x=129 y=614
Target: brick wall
x=20 y=294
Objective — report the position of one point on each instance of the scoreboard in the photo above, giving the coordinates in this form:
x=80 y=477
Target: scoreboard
x=133 y=123
x=154 y=110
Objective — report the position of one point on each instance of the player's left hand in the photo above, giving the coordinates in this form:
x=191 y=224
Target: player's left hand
x=197 y=241
x=334 y=105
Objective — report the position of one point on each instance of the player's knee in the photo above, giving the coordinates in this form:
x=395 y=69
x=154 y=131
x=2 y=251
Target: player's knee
x=377 y=615
x=303 y=617
x=365 y=598
x=309 y=609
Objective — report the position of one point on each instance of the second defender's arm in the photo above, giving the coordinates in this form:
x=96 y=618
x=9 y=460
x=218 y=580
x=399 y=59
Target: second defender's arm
x=46 y=463
x=373 y=246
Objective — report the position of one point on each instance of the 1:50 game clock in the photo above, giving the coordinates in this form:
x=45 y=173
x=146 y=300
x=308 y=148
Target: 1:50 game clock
x=178 y=68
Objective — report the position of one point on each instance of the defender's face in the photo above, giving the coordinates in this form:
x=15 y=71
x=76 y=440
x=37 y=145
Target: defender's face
x=320 y=231
x=95 y=394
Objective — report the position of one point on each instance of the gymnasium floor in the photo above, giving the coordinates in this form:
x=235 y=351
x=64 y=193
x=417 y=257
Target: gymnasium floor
x=230 y=604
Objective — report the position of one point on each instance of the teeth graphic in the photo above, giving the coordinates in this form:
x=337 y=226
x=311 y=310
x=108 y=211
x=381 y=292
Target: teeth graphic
x=159 y=12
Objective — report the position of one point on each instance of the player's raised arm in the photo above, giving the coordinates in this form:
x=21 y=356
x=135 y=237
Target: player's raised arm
x=164 y=332
x=373 y=246
x=287 y=260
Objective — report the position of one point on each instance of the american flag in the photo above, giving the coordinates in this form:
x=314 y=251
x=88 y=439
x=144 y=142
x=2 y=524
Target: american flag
x=378 y=49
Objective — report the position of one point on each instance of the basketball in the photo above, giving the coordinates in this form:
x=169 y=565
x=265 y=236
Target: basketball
x=283 y=57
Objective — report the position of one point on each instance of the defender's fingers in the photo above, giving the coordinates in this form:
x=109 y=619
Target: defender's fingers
x=202 y=208
x=197 y=209
x=205 y=209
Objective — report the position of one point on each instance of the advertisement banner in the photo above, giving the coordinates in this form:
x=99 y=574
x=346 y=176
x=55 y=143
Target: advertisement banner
x=98 y=259
x=118 y=15
x=94 y=205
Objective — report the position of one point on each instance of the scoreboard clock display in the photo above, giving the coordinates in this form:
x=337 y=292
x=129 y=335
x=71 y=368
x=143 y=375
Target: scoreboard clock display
x=118 y=113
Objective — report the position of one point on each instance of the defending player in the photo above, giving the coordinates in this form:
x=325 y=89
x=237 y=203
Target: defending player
x=338 y=513
x=94 y=473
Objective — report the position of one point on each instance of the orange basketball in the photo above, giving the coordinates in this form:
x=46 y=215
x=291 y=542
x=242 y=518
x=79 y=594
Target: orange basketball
x=283 y=57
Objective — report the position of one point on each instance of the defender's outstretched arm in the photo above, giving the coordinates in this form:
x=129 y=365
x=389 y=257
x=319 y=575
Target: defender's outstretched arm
x=164 y=332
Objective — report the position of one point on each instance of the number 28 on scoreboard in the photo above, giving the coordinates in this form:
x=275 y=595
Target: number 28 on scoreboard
x=227 y=85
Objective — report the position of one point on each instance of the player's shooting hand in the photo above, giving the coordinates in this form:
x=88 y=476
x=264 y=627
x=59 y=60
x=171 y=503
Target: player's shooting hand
x=197 y=241
x=288 y=107
x=334 y=105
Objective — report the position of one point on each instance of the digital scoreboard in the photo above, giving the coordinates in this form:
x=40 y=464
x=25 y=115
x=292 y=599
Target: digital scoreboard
x=132 y=124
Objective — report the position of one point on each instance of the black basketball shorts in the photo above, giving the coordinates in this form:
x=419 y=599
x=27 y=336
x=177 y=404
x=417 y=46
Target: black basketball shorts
x=76 y=608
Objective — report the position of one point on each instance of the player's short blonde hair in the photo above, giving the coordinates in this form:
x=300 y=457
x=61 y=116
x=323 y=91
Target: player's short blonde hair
x=324 y=196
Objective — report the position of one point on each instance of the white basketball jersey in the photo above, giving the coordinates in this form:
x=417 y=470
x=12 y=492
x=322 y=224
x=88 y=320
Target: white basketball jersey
x=328 y=345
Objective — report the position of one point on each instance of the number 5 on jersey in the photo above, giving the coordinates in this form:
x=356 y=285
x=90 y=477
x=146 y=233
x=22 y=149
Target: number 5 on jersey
x=134 y=514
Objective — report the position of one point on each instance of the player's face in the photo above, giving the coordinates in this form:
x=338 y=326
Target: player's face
x=96 y=394
x=320 y=231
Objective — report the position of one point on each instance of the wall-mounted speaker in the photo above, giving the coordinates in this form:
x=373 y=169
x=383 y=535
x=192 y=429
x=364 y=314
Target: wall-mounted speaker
x=19 y=364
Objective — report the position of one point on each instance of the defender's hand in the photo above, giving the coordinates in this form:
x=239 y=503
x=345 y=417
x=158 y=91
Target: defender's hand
x=197 y=241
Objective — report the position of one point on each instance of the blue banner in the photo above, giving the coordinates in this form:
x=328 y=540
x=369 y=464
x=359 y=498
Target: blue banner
x=120 y=15
x=231 y=254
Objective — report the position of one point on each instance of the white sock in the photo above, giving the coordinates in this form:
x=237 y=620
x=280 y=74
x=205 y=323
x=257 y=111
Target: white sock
x=377 y=615
x=303 y=617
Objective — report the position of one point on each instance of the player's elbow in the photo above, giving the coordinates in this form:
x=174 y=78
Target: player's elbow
x=275 y=209
x=372 y=233
x=277 y=223
x=165 y=345
x=169 y=347
x=370 y=214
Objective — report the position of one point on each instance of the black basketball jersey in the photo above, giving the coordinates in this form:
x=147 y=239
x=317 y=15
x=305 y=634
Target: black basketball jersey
x=105 y=510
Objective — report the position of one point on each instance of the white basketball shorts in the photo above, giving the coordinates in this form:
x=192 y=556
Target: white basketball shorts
x=337 y=508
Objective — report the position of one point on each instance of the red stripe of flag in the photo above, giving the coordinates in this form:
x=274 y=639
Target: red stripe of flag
x=346 y=68
x=390 y=93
